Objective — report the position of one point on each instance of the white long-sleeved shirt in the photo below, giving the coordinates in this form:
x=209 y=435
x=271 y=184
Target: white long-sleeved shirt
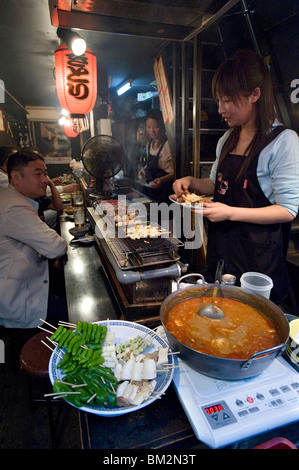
x=26 y=243
x=3 y=179
x=277 y=169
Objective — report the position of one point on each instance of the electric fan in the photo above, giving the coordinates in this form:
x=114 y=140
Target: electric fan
x=102 y=158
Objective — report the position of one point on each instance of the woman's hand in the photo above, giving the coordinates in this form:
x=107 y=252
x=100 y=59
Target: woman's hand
x=182 y=185
x=217 y=212
x=156 y=183
x=141 y=174
x=71 y=188
x=56 y=180
x=190 y=183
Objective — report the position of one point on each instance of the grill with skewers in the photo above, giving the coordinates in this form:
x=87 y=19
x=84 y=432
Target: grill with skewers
x=144 y=252
x=141 y=269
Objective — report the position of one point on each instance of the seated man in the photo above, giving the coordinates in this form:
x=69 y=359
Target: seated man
x=26 y=243
x=50 y=205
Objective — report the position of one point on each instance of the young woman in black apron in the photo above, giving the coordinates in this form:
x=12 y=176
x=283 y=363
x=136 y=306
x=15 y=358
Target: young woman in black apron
x=159 y=171
x=247 y=227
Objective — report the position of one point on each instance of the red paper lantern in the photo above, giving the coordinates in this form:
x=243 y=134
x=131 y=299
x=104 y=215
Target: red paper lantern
x=76 y=80
x=70 y=129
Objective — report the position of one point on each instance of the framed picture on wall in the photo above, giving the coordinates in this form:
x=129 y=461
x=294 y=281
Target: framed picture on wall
x=52 y=142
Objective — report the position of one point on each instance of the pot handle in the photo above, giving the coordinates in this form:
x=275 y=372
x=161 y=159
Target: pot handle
x=188 y=275
x=280 y=348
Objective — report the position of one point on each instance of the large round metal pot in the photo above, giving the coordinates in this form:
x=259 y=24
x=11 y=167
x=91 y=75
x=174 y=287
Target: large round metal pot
x=218 y=367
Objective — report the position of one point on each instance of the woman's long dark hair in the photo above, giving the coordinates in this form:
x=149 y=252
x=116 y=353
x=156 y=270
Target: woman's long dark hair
x=238 y=77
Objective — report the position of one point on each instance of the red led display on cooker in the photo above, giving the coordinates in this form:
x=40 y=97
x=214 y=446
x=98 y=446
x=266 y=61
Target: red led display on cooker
x=213 y=409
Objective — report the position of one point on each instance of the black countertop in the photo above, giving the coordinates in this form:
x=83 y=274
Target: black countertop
x=87 y=290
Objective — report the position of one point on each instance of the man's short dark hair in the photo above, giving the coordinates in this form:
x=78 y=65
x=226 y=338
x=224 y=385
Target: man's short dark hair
x=5 y=152
x=19 y=160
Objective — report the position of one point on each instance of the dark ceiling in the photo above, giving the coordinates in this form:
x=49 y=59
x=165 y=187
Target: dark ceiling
x=124 y=35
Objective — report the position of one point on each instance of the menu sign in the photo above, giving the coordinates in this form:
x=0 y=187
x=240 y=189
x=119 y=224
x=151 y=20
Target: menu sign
x=163 y=90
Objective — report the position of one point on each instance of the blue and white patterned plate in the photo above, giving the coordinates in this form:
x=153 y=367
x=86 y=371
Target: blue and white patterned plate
x=125 y=330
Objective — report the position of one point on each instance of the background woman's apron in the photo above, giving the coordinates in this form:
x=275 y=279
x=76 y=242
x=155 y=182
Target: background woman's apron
x=247 y=246
x=153 y=171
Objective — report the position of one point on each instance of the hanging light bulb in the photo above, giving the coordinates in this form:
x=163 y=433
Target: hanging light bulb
x=78 y=46
x=62 y=120
x=73 y=41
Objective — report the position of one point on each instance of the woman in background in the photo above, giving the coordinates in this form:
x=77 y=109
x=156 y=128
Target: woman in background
x=159 y=169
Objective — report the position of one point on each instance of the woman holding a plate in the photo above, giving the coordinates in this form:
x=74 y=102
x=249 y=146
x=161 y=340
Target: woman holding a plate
x=254 y=179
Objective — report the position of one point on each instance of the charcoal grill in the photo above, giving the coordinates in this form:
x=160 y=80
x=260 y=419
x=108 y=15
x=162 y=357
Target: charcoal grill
x=140 y=271
x=134 y=260
x=146 y=252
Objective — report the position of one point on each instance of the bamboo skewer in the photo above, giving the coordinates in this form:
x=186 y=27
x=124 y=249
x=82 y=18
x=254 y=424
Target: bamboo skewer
x=73 y=385
x=48 y=346
x=53 y=342
x=166 y=369
x=67 y=324
x=51 y=349
x=89 y=399
x=78 y=385
x=52 y=326
x=61 y=393
x=170 y=366
x=152 y=333
x=41 y=328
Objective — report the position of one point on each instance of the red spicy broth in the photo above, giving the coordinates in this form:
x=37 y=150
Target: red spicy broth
x=242 y=332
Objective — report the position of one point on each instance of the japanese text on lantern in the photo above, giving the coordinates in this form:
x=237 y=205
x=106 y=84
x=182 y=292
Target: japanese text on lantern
x=76 y=80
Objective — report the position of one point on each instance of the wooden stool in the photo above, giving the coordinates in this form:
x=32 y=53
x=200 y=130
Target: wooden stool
x=34 y=361
x=35 y=356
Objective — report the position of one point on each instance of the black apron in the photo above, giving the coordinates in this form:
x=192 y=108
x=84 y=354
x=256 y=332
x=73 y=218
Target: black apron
x=152 y=172
x=247 y=246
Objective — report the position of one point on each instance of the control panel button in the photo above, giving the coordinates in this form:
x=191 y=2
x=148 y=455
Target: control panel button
x=274 y=403
x=239 y=402
x=274 y=392
x=260 y=396
x=295 y=385
x=253 y=409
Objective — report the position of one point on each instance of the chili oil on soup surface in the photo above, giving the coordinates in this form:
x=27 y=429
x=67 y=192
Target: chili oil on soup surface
x=242 y=332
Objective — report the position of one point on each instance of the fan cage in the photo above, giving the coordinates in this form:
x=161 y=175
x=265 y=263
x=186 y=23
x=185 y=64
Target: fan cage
x=102 y=156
